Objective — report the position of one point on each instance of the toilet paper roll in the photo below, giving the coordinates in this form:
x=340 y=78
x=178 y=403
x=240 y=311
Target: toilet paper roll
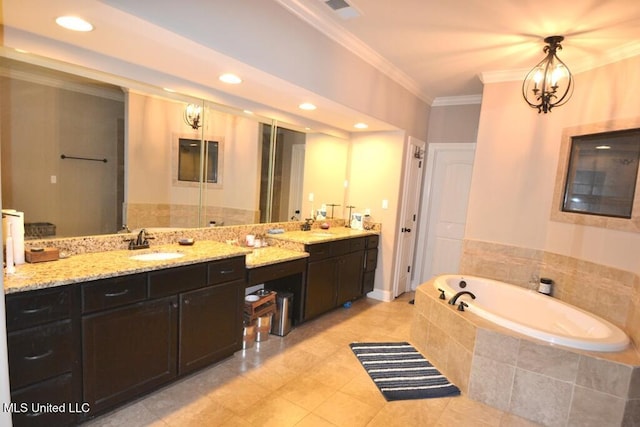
x=15 y=221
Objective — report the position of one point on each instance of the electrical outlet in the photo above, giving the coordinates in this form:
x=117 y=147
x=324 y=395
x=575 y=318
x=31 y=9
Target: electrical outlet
x=385 y=204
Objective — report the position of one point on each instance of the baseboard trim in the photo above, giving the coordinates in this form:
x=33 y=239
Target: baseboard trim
x=381 y=295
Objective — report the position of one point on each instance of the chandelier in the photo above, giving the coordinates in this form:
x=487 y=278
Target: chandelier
x=549 y=84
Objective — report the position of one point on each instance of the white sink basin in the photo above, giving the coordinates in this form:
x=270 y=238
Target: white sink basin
x=157 y=256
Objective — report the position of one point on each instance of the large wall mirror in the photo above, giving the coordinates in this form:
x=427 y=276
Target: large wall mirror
x=264 y=168
x=597 y=176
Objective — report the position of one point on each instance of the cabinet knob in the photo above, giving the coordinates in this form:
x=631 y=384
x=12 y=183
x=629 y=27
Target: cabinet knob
x=186 y=301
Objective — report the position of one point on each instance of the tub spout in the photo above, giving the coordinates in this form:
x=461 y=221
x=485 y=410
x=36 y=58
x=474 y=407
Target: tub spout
x=453 y=300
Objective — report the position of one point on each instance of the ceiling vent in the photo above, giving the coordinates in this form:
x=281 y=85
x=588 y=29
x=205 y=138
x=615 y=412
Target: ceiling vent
x=343 y=9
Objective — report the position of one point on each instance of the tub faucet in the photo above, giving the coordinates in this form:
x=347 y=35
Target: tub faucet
x=453 y=300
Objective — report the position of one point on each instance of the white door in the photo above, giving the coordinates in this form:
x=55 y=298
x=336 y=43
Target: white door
x=445 y=200
x=409 y=216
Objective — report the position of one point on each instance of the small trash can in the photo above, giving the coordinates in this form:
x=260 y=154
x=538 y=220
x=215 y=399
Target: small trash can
x=263 y=326
x=248 y=336
x=281 y=324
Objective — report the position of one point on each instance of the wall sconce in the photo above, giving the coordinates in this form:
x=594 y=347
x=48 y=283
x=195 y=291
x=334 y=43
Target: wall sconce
x=192 y=115
x=549 y=84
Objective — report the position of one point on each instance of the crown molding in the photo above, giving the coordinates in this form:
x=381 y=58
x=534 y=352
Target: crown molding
x=445 y=101
x=337 y=33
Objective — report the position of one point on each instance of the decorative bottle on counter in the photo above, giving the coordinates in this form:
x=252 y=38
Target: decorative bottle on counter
x=545 y=286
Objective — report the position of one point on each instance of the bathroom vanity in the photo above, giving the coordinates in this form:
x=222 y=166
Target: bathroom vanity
x=91 y=332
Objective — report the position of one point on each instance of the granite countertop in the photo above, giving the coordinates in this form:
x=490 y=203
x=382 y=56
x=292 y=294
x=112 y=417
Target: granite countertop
x=100 y=265
x=260 y=257
x=318 y=235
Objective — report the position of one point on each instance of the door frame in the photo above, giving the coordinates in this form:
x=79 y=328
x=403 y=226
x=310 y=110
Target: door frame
x=425 y=209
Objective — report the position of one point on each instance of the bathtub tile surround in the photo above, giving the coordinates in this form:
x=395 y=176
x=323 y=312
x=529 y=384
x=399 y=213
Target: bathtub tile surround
x=546 y=384
x=610 y=293
x=540 y=398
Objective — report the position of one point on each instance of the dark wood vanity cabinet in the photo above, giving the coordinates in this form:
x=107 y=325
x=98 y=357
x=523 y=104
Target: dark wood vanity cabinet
x=44 y=356
x=370 y=263
x=334 y=274
x=210 y=324
x=128 y=350
x=144 y=330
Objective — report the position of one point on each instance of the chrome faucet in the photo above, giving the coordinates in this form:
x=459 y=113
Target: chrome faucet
x=453 y=300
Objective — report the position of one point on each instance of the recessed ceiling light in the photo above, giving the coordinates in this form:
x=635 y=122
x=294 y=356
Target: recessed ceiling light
x=307 y=106
x=230 y=78
x=361 y=125
x=74 y=23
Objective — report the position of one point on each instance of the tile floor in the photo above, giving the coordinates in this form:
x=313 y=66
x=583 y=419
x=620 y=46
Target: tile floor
x=308 y=378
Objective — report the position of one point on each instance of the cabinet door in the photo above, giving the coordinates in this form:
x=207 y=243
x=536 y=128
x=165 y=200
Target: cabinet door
x=321 y=288
x=210 y=324
x=127 y=351
x=350 y=269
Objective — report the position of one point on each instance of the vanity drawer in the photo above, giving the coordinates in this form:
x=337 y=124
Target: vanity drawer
x=319 y=251
x=56 y=391
x=36 y=307
x=340 y=247
x=174 y=280
x=358 y=244
x=371 y=259
x=40 y=352
x=372 y=241
x=275 y=271
x=226 y=270
x=114 y=292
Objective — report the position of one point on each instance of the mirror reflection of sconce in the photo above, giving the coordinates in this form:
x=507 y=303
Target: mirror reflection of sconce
x=192 y=115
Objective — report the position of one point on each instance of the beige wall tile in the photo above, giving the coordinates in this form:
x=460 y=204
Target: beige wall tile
x=605 y=376
x=496 y=346
x=491 y=382
x=551 y=361
x=540 y=398
x=632 y=413
x=458 y=367
x=634 y=386
x=592 y=408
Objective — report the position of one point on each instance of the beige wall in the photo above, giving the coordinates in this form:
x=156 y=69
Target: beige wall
x=454 y=123
x=515 y=167
x=376 y=171
x=325 y=170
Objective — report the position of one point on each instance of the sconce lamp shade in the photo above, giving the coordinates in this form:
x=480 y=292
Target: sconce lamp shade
x=192 y=115
x=550 y=83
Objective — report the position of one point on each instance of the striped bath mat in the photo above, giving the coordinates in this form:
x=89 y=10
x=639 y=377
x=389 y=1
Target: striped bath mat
x=401 y=372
